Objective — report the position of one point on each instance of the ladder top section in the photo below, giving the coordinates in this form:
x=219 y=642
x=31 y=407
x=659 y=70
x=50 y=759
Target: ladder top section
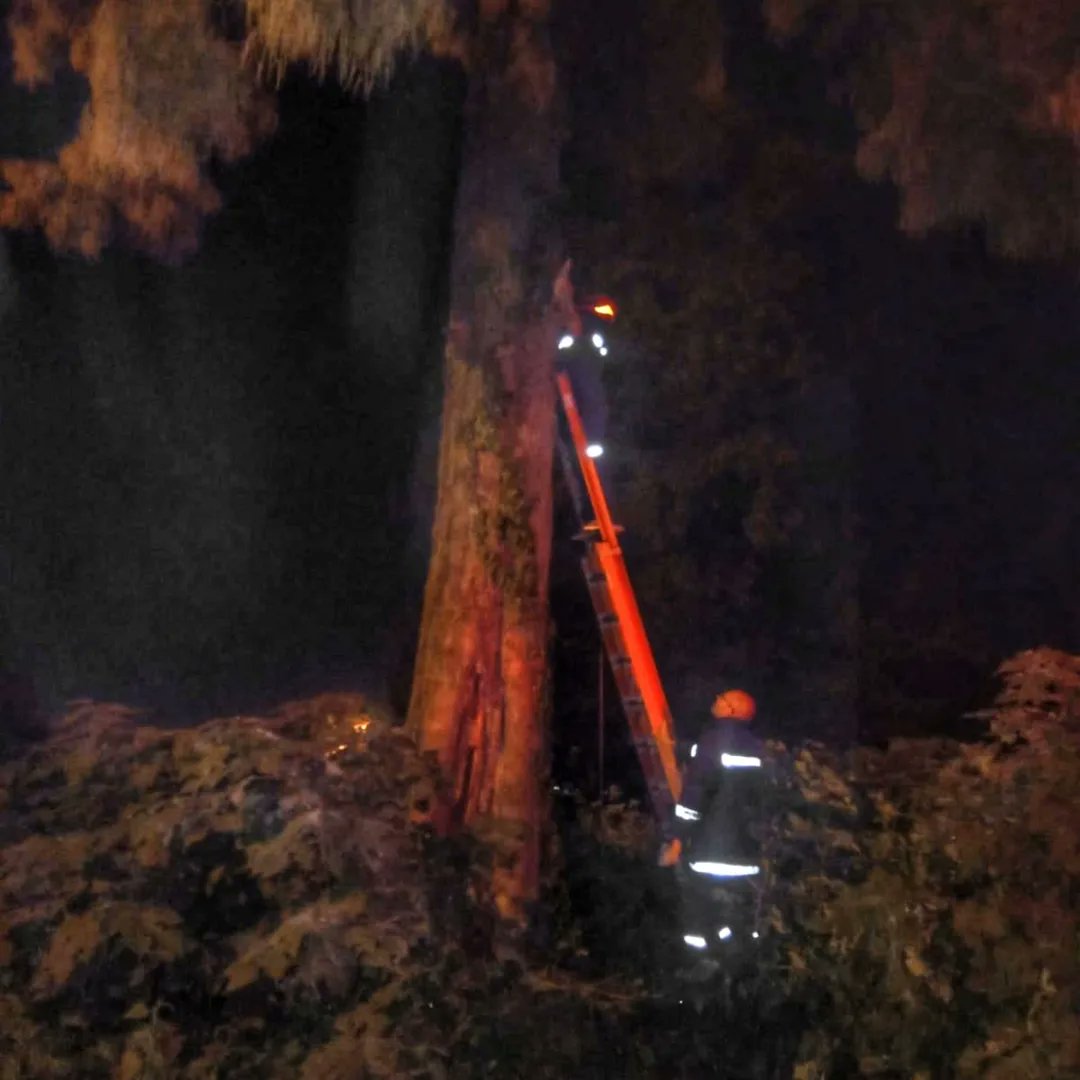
x=623 y=630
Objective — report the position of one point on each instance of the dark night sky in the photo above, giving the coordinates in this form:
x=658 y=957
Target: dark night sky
x=216 y=478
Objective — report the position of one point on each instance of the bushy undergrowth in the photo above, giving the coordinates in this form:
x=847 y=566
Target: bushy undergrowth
x=923 y=904
x=930 y=894
x=263 y=897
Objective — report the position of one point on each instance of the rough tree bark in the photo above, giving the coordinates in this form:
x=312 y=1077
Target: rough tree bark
x=479 y=682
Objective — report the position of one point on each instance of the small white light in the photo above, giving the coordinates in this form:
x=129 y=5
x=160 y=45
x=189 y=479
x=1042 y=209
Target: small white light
x=693 y=750
x=566 y=342
x=695 y=941
x=738 y=761
x=755 y=935
x=686 y=813
x=724 y=933
x=724 y=870
x=603 y=350
x=593 y=450
x=598 y=340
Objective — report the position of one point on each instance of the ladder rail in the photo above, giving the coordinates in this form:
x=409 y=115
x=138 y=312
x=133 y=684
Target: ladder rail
x=629 y=630
x=614 y=644
x=651 y=698
x=593 y=487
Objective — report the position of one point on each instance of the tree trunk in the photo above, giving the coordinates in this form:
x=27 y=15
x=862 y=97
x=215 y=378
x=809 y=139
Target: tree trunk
x=479 y=683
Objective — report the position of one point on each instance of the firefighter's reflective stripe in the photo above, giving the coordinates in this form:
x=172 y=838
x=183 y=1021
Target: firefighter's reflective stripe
x=686 y=813
x=740 y=761
x=724 y=870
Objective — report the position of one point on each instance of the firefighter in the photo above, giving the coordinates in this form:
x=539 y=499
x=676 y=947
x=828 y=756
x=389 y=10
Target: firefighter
x=581 y=357
x=724 y=767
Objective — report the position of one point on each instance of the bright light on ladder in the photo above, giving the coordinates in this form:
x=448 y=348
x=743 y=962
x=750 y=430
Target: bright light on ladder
x=593 y=450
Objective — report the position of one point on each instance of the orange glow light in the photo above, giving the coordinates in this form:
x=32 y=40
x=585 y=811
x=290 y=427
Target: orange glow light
x=605 y=309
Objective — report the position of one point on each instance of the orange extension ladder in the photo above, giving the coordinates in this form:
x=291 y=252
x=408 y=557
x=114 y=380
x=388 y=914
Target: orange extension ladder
x=623 y=633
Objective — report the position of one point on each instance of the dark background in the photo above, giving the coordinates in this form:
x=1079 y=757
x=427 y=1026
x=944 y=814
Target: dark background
x=218 y=478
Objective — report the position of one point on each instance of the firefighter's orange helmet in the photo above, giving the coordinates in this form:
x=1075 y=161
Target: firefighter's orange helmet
x=734 y=705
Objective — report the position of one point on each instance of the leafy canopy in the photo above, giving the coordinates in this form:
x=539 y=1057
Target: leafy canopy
x=971 y=107
x=169 y=94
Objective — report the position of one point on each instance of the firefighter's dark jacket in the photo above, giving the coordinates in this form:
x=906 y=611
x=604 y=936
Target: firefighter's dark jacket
x=705 y=768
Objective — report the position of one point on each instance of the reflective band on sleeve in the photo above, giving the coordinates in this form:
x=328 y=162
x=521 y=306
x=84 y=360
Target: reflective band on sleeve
x=686 y=813
x=724 y=870
x=739 y=761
